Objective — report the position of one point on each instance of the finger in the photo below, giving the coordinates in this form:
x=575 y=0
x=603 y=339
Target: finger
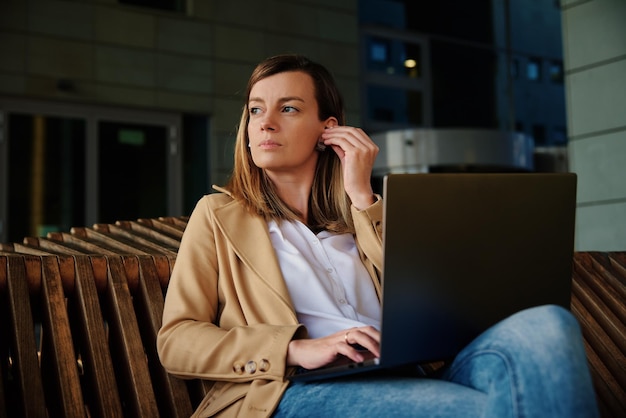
x=371 y=331
x=367 y=338
x=350 y=352
x=349 y=136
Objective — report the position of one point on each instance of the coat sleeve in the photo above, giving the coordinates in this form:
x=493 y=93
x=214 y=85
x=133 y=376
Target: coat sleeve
x=193 y=341
x=368 y=225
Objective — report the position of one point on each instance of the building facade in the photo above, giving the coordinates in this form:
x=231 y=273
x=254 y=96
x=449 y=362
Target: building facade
x=124 y=109
x=120 y=109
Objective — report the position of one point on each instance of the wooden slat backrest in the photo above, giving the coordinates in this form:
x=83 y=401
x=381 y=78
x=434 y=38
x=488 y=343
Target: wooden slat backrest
x=118 y=246
x=25 y=397
x=159 y=236
x=172 y=393
x=50 y=246
x=58 y=360
x=95 y=358
x=136 y=239
x=599 y=303
x=3 y=402
x=162 y=226
x=125 y=340
x=27 y=249
x=83 y=245
x=102 y=393
x=114 y=294
x=179 y=223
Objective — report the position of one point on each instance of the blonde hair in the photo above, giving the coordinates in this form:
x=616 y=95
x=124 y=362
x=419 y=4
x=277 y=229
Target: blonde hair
x=329 y=205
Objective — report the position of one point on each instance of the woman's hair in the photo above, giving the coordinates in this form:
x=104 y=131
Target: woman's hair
x=329 y=205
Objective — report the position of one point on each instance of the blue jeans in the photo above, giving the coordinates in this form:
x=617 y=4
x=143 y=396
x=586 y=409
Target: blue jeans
x=531 y=364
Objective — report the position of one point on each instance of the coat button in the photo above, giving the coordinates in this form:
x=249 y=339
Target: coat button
x=251 y=367
x=264 y=365
x=238 y=368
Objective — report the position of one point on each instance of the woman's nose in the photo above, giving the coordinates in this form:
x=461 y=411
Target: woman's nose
x=268 y=124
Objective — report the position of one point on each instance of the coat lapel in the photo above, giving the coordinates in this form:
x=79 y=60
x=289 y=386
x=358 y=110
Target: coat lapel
x=249 y=237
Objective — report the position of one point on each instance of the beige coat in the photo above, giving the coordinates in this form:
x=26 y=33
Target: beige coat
x=228 y=316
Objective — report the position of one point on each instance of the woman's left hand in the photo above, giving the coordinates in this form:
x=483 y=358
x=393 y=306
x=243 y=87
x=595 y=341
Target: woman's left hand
x=357 y=153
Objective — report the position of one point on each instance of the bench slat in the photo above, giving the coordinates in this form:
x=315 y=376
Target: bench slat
x=153 y=233
x=165 y=227
x=106 y=240
x=127 y=348
x=102 y=395
x=29 y=399
x=177 y=222
x=171 y=392
x=598 y=295
x=610 y=393
x=5 y=324
x=30 y=250
x=58 y=360
x=51 y=246
x=601 y=304
x=609 y=404
x=132 y=237
x=75 y=241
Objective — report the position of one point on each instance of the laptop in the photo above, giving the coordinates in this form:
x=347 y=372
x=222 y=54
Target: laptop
x=461 y=252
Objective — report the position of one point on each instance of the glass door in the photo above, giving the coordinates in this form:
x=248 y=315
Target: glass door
x=46 y=167
x=133 y=171
x=67 y=165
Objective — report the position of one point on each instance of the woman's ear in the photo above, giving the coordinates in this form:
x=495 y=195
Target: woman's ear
x=331 y=122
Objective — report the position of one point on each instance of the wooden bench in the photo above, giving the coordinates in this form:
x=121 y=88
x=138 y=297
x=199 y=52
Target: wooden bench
x=599 y=303
x=79 y=313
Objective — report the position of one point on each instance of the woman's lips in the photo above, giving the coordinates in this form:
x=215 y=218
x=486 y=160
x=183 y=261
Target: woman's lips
x=269 y=144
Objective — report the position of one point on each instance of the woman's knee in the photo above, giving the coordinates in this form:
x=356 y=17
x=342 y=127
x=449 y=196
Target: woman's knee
x=539 y=332
x=545 y=323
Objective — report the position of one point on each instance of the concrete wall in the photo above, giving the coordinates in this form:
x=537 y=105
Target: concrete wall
x=594 y=36
x=193 y=62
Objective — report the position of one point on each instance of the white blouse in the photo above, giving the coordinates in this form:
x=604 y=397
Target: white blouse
x=329 y=286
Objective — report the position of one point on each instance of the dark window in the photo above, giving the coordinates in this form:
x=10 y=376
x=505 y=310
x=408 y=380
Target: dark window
x=462 y=85
x=379 y=51
x=533 y=69
x=556 y=72
x=539 y=134
x=47 y=172
x=466 y=20
x=196 y=159
x=559 y=136
x=394 y=57
x=169 y=5
x=514 y=68
x=395 y=105
x=134 y=158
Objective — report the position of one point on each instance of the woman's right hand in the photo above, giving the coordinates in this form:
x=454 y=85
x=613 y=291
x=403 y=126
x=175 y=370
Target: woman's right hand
x=319 y=352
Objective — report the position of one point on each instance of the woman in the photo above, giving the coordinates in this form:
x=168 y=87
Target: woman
x=281 y=270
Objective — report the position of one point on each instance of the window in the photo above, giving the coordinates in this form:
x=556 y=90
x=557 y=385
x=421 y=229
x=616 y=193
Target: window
x=379 y=51
x=394 y=57
x=559 y=136
x=47 y=161
x=514 y=68
x=393 y=105
x=168 y=5
x=412 y=60
x=556 y=72
x=539 y=134
x=533 y=69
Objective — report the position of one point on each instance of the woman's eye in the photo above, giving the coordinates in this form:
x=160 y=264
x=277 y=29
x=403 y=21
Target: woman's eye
x=254 y=110
x=289 y=109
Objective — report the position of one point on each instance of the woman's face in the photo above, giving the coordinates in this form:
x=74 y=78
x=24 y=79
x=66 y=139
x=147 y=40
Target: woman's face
x=284 y=126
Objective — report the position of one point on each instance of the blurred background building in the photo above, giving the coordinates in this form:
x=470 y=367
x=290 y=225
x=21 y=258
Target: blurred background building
x=121 y=109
